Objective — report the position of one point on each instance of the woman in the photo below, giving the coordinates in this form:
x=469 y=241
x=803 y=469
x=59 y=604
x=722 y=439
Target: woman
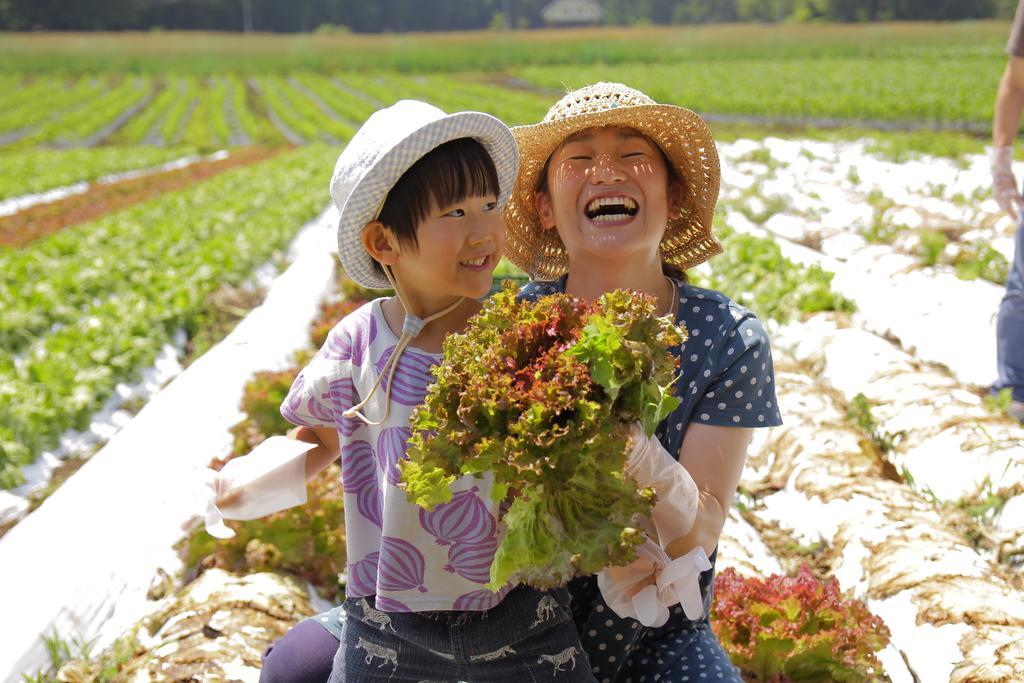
x=616 y=191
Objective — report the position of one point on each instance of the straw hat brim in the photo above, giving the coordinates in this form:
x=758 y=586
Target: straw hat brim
x=689 y=146
x=367 y=197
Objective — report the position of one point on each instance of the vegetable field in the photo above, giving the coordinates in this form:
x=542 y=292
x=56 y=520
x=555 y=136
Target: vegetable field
x=165 y=270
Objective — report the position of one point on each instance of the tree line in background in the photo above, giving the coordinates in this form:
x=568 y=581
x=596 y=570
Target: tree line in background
x=374 y=16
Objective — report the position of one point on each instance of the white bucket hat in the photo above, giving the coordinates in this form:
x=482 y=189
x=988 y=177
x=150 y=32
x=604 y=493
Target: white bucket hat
x=384 y=148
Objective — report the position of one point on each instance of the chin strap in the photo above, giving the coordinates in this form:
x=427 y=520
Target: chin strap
x=411 y=328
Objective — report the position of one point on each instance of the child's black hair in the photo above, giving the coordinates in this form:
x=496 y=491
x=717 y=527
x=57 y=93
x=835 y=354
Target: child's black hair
x=446 y=175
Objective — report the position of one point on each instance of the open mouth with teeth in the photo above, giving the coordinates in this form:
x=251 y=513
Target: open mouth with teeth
x=611 y=209
x=475 y=263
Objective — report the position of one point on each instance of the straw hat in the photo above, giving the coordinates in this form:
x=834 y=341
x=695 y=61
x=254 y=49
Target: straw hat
x=683 y=137
x=385 y=147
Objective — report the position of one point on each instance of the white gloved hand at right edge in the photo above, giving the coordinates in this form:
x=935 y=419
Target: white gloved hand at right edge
x=270 y=478
x=1004 y=185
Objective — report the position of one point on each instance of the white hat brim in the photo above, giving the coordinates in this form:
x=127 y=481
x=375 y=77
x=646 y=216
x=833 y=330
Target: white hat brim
x=364 y=203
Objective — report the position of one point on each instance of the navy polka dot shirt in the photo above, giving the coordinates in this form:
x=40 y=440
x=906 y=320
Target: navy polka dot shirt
x=726 y=379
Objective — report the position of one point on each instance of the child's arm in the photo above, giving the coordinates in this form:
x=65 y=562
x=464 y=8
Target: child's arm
x=316 y=460
x=326 y=451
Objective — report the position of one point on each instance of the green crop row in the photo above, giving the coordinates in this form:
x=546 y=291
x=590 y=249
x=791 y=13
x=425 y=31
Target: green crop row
x=92 y=118
x=174 y=122
x=253 y=123
x=95 y=305
x=452 y=94
x=300 y=113
x=31 y=171
x=135 y=131
x=51 y=104
x=207 y=128
x=753 y=271
x=807 y=89
x=348 y=106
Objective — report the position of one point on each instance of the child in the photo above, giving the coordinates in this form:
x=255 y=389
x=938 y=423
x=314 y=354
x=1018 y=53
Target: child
x=420 y=196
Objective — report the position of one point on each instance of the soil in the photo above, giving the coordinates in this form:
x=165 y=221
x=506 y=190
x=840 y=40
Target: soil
x=102 y=199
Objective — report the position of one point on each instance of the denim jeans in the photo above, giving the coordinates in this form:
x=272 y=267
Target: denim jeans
x=529 y=636
x=1010 y=324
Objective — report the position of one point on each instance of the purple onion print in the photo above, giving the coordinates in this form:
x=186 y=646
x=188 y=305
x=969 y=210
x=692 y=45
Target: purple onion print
x=319 y=412
x=358 y=465
x=391 y=446
x=362 y=336
x=472 y=561
x=480 y=600
x=342 y=395
x=293 y=402
x=362 y=576
x=411 y=378
x=465 y=519
x=386 y=604
x=338 y=346
x=370 y=504
x=401 y=566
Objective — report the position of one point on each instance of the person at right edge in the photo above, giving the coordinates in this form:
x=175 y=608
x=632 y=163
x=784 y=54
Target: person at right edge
x=1005 y=124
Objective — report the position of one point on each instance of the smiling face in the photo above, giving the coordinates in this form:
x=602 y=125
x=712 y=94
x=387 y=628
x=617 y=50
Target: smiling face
x=608 y=194
x=457 y=250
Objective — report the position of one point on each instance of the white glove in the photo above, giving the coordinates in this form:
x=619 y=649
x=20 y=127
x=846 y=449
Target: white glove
x=269 y=479
x=678 y=497
x=646 y=588
x=1004 y=184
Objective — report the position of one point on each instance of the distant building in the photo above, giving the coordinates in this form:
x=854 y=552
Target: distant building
x=564 y=13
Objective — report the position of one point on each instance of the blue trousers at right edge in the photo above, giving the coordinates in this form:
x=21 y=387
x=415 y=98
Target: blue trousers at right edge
x=1010 y=324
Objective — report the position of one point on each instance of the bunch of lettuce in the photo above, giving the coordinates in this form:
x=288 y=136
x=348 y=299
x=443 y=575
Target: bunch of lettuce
x=542 y=394
x=796 y=629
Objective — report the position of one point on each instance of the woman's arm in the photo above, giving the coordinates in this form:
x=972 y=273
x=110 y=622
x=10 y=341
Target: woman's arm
x=714 y=457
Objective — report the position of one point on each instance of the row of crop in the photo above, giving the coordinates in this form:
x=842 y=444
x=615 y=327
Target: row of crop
x=452 y=94
x=807 y=89
x=248 y=112
x=347 y=105
x=88 y=308
x=39 y=170
x=207 y=127
x=300 y=114
x=47 y=100
x=92 y=118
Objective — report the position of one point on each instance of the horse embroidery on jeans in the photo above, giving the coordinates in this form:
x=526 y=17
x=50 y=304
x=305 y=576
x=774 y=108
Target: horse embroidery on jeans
x=374 y=650
x=503 y=651
x=374 y=616
x=545 y=610
x=562 y=658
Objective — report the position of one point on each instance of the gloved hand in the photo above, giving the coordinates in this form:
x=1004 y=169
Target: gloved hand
x=1004 y=185
x=270 y=478
x=646 y=588
x=678 y=497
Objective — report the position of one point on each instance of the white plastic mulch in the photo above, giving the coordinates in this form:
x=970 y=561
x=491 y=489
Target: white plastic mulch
x=826 y=190
x=20 y=203
x=81 y=564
